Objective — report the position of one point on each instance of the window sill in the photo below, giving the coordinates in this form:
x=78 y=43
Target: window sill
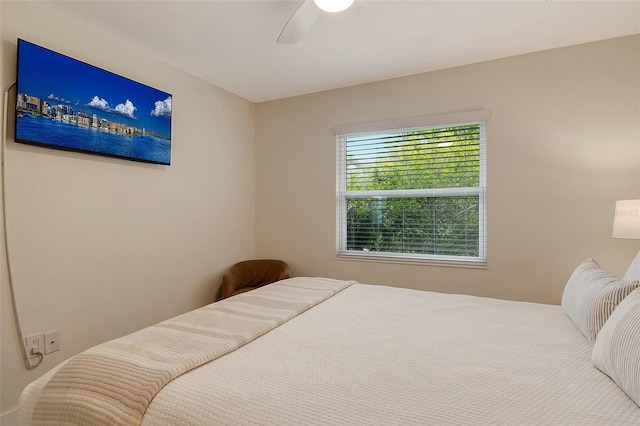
x=443 y=261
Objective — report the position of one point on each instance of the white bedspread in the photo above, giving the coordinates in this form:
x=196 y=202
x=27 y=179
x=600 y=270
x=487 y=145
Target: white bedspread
x=381 y=355
x=374 y=355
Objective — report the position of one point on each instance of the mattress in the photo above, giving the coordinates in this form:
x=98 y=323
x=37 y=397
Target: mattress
x=382 y=355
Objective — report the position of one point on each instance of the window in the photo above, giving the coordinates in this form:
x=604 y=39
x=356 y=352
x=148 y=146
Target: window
x=413 y=194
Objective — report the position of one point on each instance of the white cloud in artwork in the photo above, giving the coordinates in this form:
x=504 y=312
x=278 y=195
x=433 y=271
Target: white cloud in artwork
x=56 y=98
x=126 y=109
x=99 y=103
x=162 y=108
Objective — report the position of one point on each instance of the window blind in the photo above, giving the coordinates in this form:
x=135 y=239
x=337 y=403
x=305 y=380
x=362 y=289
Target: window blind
x=413 y=194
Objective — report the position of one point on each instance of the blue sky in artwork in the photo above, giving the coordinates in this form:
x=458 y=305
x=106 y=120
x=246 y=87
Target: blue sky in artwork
x=59 y=79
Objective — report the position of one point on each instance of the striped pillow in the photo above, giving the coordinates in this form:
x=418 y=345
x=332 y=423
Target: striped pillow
x=617 y=349
x=591 y=295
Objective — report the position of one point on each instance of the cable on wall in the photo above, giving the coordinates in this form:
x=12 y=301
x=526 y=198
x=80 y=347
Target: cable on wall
x=23 y=345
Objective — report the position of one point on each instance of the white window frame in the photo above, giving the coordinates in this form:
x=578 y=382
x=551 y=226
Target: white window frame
x=342 y=195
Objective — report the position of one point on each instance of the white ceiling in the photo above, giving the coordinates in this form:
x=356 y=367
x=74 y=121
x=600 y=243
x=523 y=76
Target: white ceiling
x=232 y=43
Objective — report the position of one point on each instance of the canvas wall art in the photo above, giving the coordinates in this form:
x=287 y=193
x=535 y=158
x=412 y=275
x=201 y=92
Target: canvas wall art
x=64 y=103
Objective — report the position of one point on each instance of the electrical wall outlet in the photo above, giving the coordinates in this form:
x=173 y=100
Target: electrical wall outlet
x=35 y=344
x=51 y=341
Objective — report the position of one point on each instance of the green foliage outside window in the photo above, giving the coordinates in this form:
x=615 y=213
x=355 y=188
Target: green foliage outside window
x=399 y=217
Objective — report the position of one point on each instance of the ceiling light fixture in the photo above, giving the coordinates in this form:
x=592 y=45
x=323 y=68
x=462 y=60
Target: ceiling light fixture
x=333 y=5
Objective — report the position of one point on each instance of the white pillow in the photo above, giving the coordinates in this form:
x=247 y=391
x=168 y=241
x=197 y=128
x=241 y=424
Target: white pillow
x=591 y=295
x=633 y=273
x=616 y=351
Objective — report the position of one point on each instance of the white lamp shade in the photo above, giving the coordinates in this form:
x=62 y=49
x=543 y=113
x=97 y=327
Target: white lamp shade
x=626 y=219
x=333 y=5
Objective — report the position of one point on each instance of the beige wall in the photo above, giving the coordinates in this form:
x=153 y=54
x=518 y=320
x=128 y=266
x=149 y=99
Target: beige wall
x=101 y=247
x=563 y=145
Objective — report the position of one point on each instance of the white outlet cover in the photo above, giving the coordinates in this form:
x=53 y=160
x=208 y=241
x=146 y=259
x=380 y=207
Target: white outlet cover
x=35 y=341
x=52 y=341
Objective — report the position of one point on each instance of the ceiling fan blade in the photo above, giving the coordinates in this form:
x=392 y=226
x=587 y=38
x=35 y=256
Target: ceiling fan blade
x=299 y=23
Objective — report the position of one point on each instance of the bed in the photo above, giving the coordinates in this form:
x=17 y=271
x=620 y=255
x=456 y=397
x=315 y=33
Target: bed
x=307 y=351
